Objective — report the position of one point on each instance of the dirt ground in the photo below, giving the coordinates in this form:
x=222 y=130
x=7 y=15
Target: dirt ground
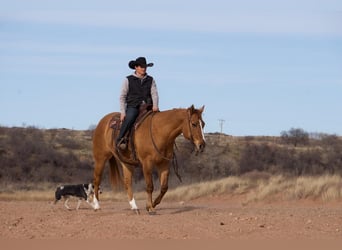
x=206 y=218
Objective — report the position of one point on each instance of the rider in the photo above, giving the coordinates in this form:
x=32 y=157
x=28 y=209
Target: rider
x=137 y=89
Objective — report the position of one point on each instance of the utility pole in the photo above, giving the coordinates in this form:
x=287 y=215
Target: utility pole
x=221 y=121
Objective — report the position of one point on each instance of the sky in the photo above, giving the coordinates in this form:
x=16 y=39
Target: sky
x=262 y=67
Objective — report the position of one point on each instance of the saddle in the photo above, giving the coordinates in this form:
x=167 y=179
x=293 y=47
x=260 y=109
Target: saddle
x=144 y=111
x=115 y=123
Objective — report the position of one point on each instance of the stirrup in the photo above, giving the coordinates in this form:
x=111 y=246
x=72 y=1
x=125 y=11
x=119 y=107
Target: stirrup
x=122 y=144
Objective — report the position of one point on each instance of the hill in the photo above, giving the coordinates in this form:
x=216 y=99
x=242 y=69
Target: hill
x=30 y=155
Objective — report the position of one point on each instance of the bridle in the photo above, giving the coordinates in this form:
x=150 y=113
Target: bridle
x=190 y=130
x=154 y=144
x=173 y=157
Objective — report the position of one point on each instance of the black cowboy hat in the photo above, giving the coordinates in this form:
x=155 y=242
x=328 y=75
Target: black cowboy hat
x=140 y=61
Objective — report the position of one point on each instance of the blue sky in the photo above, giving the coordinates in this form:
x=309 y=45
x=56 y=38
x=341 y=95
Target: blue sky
x=262 y=66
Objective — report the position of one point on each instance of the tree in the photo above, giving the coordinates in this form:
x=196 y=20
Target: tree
x=295 y=136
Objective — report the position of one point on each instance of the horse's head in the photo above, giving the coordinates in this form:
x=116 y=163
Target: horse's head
x=193 y=130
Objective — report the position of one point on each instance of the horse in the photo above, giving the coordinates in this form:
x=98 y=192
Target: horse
x=154 y=141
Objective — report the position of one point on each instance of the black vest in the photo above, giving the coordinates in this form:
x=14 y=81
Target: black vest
x=139 y=90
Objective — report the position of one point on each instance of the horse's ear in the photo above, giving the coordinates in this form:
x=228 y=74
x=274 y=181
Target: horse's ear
x=191 y=109
x=201 y=109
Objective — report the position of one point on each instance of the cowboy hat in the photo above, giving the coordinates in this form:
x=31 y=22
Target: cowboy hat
x=140 y=61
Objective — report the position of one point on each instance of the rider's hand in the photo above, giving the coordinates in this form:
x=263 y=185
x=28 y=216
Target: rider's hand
x=155 y=109
x=122 y=117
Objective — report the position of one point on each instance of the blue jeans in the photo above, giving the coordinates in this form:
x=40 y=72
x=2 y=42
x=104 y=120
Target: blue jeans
x=131 y=116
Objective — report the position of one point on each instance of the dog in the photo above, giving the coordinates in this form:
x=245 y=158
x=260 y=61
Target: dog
x=81 y=191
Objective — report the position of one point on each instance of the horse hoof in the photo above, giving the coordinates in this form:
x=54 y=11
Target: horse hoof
x=96 y=208
x=152 y=212
x=136 y=211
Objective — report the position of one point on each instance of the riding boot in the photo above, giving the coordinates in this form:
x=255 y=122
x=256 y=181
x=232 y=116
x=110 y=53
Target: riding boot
x=122 y=143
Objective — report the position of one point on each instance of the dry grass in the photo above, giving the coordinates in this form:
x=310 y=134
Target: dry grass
x=324 y=188
x=230 y=185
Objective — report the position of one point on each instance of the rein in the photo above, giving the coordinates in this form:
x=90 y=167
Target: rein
x=191 y=136
x=174 y=157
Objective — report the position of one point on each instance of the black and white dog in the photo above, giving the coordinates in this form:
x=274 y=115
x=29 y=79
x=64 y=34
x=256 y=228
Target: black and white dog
x=81 y=191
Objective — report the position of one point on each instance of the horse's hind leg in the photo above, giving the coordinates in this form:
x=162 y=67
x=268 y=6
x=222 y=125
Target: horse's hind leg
x=98 y=170
x=128 y=173
x=163 y=178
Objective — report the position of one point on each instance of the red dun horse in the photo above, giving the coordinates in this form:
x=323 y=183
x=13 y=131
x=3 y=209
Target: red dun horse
x=154 y=144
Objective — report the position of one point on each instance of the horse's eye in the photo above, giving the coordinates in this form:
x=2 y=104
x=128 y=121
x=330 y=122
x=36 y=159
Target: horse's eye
x=194 y=125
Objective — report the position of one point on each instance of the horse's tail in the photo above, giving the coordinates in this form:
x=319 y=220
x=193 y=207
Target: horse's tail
x=115 y=175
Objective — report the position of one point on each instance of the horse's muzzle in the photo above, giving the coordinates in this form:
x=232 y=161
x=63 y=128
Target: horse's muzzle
x=199 y=147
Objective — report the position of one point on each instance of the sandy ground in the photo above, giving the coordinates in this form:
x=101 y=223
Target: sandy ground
x=206 y=218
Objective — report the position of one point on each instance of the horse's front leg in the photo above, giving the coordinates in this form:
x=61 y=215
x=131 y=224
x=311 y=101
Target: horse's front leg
x=147 y=170
x=164 y=179
x=128 y=172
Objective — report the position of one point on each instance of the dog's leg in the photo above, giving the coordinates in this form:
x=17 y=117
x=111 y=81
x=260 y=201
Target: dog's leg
x=89 y=202
x=66 y=204
x=78 y=204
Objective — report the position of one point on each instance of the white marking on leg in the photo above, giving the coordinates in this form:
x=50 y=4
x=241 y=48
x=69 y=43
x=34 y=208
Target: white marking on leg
x=96 y=204
x=133 y=204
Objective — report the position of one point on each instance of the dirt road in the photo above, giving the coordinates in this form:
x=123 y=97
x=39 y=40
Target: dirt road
x=205 y=218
